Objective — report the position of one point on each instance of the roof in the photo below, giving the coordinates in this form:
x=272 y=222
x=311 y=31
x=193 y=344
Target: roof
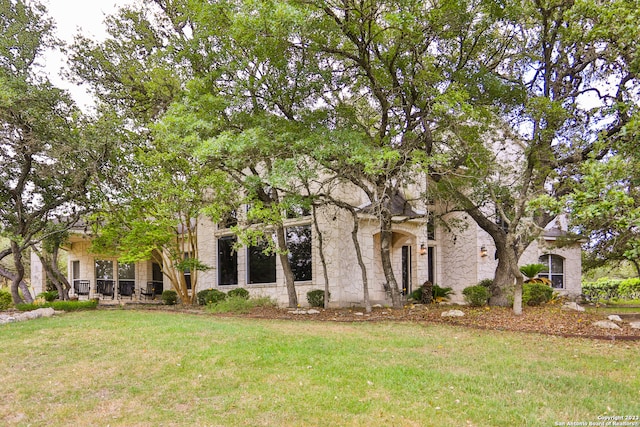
x=399 y=207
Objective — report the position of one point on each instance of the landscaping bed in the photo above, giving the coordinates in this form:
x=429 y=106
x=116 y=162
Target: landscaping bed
x=545 y=319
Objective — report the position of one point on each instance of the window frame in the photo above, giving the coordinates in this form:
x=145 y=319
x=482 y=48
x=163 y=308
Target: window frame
x=550 y=274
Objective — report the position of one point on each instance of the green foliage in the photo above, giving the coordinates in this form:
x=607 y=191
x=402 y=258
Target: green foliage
x=5 y=299
x=169 y=297
x=49 y=295
x=487 y=283
x=201 y=296
x=238 y=292
x=61 y=305
x=315 y=298
x=441 y=293
x=536 y=293
x=532 y=270
x=239 y=304
x=476 y=296
x=602 y=290
x=629 y=288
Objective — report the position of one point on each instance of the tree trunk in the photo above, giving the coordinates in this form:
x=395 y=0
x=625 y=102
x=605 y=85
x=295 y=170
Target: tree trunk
x=386 y=237
x=517 y=296
x=363 y=267
x=502 y=282
x=322 y=257
x=286 y=267
x=17 y=281
x=50 y=266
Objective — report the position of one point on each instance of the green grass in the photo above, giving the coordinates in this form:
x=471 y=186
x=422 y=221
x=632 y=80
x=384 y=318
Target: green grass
x=146 y=368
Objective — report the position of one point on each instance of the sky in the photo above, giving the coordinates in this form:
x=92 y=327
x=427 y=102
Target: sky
x=71 y=17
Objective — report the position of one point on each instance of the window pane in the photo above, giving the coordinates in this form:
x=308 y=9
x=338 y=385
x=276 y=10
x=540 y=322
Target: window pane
x=262 y=267
x=104 y=269
x=126 y=270
x=299 y=246
x=75 y=267
x=227 y=261
x=557 y=281
x=557 y=264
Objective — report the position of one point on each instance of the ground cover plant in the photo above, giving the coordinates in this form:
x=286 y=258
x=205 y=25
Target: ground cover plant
x=144 y=368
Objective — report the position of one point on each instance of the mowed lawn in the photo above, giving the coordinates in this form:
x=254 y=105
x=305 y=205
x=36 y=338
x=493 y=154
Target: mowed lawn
x=145 y=368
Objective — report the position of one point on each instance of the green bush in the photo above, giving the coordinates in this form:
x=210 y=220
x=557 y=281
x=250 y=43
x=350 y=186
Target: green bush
x=536 y=293
x=61 y=305
x=487 y=283
x=441 y=293
x=5 y=300
x=169 y=297
x=201 y=296
x=316 y=298
x=629 y=288
x=214 y=296
x=49 y=295
x=476 y=296
x=416 y=295
x=238 y=292
x=602 y=290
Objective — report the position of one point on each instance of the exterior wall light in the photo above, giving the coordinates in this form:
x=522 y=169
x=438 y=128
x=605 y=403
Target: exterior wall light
x=423 y=249
x=483 y=251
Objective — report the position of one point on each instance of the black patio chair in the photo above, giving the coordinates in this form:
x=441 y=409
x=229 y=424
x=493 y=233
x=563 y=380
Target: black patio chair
x=105 y=288
x=126 y=288
x=81 y=288
x=148 y=291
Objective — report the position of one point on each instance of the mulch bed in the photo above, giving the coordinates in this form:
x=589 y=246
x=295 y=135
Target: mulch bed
x=550 y=320
x=547 y=319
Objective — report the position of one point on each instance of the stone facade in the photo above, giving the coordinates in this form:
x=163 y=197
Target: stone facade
x=447 y=258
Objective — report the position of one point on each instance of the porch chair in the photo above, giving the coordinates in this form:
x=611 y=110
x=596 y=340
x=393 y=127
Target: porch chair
x=81 y=287
x=105 y=288
x=148 y=291
x=126 y=288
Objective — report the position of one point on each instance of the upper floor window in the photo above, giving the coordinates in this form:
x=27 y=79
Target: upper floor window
x=555 y=270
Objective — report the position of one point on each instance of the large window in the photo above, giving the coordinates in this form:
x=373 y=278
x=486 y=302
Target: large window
x=299 y=247
x=227 y=261
x=126 y=271
x=555 y=270
x=104 y=270
x=261 y=263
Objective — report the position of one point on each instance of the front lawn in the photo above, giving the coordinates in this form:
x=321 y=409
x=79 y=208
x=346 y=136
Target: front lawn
x=146 y=368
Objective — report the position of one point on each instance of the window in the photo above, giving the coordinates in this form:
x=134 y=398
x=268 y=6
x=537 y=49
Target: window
x=75 y=268
x=227 y=261
x=431 y=227
x=555 y=270
x=104 y=270
x=299 y=247
x=297 y=211
x=230 y=219
x=262 y=263
x=126 y=271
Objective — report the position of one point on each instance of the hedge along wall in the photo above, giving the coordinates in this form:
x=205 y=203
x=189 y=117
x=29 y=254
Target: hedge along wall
x=607 y=289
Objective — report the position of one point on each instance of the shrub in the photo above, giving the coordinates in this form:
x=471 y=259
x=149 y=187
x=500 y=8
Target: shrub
x=238 y=292
x=629 y=288
x=416 y=295
x=201 y=296
x=487 y=283
x=476 y=296
x=316 y=298
x=49 y=295
x=214 y=296
x=604 y=289
x=441 y=293
x=5 y=300
x=536 y=293
x=169 y=297
x=61 y=305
